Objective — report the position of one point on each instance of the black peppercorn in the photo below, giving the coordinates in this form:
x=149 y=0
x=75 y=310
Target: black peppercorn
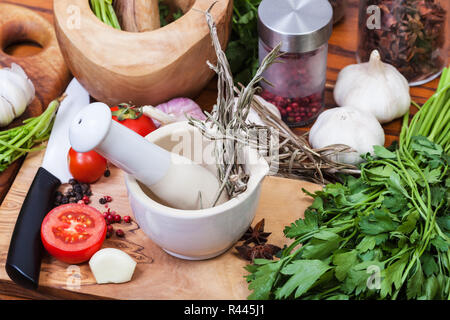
x=107 y=173
x=84 y=187
x=72 y=200
x=77 y=188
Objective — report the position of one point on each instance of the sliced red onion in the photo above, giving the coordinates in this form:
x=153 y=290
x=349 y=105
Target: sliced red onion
x=178 y=108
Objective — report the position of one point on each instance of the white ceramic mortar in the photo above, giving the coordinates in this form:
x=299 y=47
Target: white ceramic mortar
x=196 y=234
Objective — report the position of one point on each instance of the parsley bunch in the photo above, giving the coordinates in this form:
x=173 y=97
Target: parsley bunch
x=384 y=235
x=242 y=49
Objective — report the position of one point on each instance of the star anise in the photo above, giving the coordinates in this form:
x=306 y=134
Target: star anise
x=256 y=235
x=260 y=251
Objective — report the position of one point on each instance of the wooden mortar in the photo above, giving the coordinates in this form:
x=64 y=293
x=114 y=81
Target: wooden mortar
x=143 y=68
x=137 y=15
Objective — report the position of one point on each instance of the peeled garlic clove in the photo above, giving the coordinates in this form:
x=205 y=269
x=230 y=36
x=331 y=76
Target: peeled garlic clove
x=374 y=87
x=111 y=265
x=6 y=112
x=348 y=126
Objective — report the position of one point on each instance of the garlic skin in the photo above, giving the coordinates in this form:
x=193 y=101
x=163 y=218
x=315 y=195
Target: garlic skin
x=348 y=126
x=374 y=87
x=17 y=90
x=6 y=112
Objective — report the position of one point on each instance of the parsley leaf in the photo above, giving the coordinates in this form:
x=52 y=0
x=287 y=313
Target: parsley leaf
x=377 y=222
x=303 y=275
x=302 y=226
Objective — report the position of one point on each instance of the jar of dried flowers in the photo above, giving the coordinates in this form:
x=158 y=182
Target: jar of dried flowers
x=409 y=34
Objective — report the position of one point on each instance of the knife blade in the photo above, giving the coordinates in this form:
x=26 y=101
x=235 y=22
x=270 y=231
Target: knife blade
x=23 y=263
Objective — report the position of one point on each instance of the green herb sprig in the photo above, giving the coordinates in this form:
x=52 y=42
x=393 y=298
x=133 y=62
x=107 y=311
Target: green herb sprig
x=385 y=235
x=242 y=50
x=165 y=16
x=104 y=10
x=16 y=142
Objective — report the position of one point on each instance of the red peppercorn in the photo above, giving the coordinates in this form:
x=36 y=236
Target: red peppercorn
x=298 y=110
x=86 y=200
x=120 y=233
x=108 y=198
x=109 y=218
x=117 y=218
x=109 y=228
x=127 y=219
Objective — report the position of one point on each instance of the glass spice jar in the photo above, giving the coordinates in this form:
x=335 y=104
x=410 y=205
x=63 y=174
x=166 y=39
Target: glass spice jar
x=411 y=35
x=296 y=84
x=339 y=7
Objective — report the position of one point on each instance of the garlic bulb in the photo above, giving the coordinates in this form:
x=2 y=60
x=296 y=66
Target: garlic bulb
x=374 y=87
x=16 y=93
x=348 y=126
x=6 y=112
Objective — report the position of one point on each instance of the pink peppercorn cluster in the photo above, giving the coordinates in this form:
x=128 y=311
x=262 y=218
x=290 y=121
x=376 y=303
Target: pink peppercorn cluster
x=112 y=217
x=297 y=84
x=296 y=111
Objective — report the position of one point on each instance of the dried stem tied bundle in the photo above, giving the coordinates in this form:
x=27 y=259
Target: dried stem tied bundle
x=287 y=154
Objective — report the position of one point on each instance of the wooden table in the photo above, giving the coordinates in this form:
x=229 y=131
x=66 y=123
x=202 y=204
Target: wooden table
x=342 y=47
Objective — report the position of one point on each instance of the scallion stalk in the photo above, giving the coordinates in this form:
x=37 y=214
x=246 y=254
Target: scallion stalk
x=104 y=10
x=16 y=142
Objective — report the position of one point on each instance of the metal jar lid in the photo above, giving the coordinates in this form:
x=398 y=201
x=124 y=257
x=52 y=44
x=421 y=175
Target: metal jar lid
x=300 y=25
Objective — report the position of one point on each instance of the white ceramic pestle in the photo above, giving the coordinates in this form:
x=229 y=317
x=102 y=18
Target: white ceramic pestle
x=176 y=180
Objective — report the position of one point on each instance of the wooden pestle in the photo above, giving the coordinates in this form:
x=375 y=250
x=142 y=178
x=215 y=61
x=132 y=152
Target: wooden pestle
x=137 y=15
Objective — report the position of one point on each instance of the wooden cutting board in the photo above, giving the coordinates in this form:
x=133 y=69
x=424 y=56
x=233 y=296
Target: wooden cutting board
x=157 y=275
x=28 y=39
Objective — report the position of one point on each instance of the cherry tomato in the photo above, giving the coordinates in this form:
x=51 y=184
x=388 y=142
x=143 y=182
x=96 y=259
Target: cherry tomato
x=73 y=232
x=131 y=119
x=86 y=167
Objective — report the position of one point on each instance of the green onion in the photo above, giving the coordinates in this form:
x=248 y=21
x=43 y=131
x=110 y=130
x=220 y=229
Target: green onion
x=104 y=10
x=16 y=142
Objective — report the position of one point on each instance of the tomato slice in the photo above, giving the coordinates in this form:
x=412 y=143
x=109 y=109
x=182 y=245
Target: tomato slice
x=73 y=232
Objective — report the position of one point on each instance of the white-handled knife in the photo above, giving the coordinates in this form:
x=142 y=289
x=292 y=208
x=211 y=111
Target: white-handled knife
x=25 y=250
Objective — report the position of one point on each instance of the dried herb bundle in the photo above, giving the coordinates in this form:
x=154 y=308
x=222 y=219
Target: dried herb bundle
x=296 y=159
x=287 y=154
